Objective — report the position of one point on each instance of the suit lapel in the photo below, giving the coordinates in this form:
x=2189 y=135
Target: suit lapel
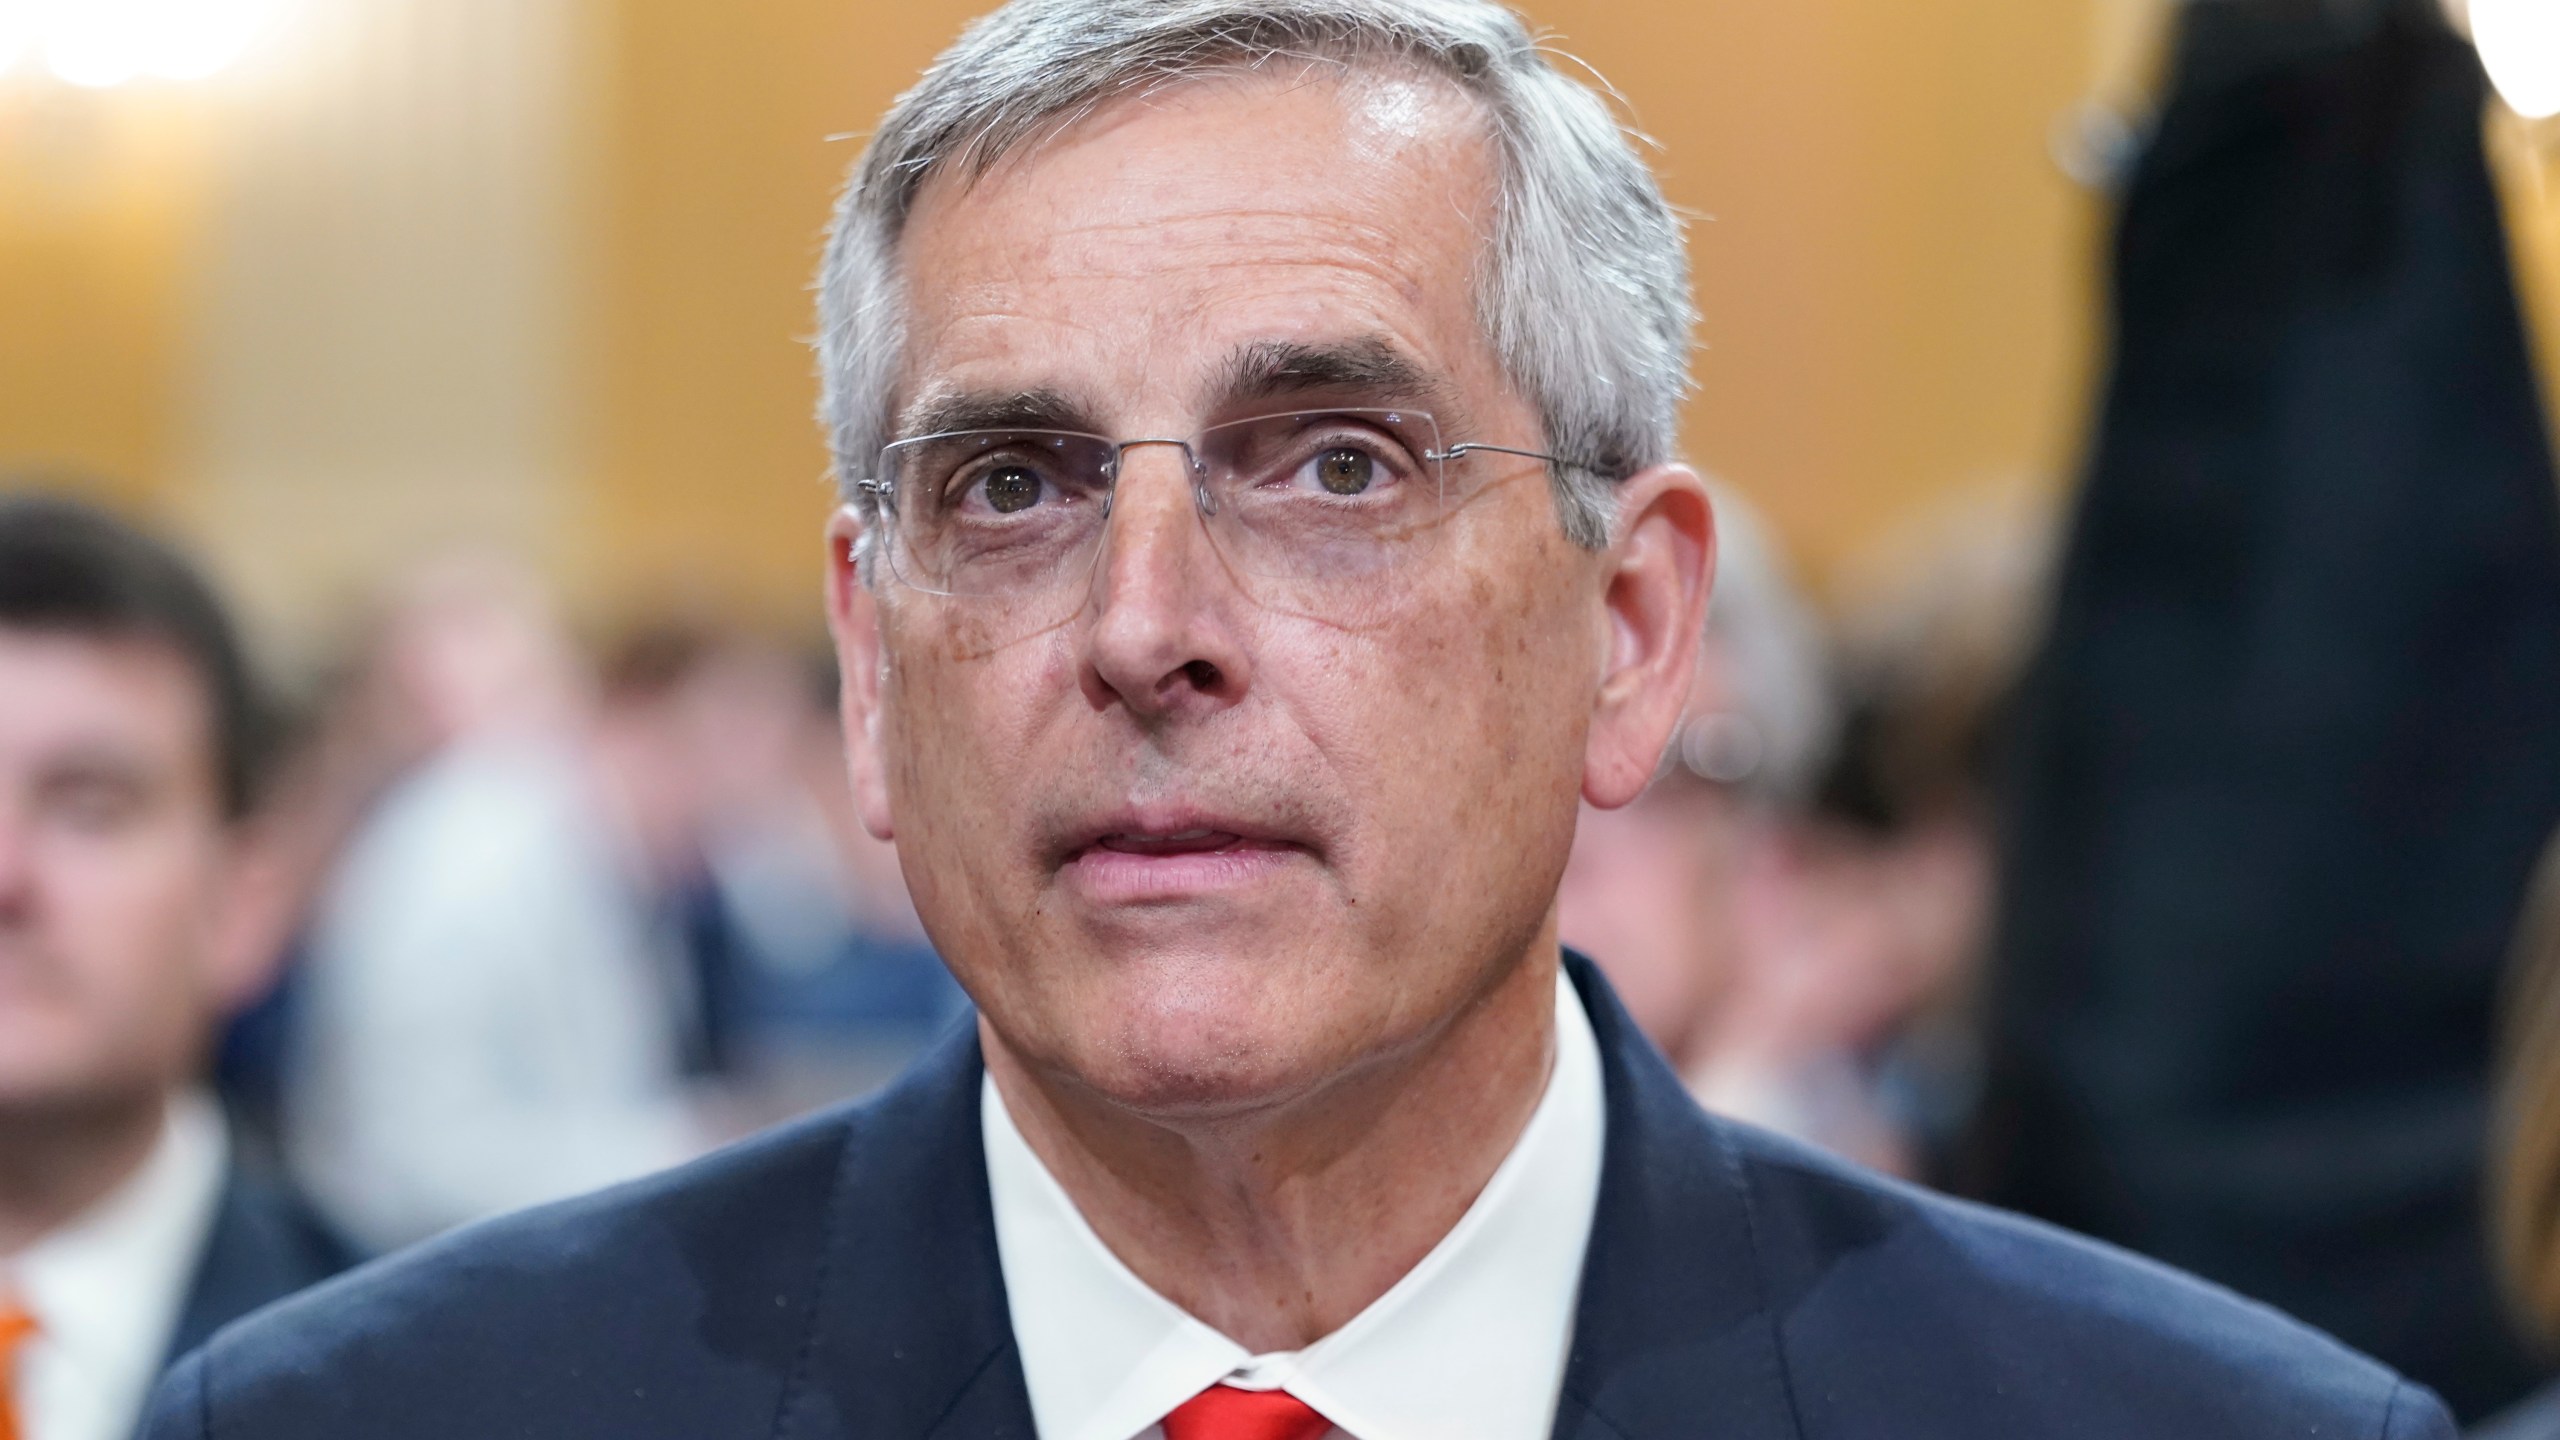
x=264 y=1244
x=1674 y=1335
x=911 y=1335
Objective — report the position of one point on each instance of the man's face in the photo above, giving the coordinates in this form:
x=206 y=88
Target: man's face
x=115 y=870
x=1190 y=848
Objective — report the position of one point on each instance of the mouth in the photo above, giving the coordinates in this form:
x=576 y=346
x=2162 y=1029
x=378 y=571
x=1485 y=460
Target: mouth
x=1198 y=840
x=1156 y=857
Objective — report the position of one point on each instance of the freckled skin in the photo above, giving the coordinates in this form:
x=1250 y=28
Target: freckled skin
x=1270 y=1100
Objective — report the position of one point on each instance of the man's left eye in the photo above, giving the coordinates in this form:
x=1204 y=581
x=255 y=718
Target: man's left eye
x=1346 y=471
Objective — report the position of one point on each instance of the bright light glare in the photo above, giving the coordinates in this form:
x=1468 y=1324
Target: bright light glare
x=2519 y=44
x=98 y=43
x=18 y=22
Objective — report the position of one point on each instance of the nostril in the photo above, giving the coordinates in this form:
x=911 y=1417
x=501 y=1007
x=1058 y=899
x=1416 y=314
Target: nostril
x=1202 y=675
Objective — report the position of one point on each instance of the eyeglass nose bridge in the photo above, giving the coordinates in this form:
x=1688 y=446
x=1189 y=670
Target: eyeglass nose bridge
x=1200 y=492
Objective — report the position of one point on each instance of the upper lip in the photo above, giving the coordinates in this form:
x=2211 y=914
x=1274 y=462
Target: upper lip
x=1170 y=823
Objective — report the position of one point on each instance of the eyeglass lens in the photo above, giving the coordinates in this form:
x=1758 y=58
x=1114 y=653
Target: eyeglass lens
x=1318 y=499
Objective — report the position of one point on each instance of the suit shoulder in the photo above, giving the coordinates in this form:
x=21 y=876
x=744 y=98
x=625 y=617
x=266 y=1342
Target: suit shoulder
x=1931 y=1301
x=708 y=1270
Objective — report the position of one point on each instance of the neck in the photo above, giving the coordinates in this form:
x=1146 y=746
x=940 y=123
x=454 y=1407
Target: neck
x=1277 y=1228
x=58 y=1161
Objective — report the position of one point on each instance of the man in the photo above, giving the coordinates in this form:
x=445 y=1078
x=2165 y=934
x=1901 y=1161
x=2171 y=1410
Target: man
x=1228 y=670
x=127 y=1233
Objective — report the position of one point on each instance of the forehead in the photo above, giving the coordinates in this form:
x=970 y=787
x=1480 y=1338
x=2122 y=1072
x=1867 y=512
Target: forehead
x=1124 y=260
x=71 y=692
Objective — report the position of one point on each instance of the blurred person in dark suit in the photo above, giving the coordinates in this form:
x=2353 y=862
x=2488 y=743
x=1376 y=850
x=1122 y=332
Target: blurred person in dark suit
x=1257 y=418
x=2525 y=1179
x=129 y=926
x=2288 y=754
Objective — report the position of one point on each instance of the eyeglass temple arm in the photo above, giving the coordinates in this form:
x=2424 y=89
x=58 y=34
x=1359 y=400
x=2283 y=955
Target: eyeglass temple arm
x=1454 y=451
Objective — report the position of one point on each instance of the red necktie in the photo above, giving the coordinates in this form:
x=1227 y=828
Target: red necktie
x=16 y=1327
x=1223 y=1412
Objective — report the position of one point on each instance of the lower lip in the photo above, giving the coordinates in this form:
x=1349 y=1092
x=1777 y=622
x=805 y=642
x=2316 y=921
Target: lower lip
x=1120 y=877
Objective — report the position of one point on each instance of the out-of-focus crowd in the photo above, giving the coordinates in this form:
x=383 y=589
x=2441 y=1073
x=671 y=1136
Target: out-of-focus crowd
x=1797 y=909
x=484 y=917
x=553 y=915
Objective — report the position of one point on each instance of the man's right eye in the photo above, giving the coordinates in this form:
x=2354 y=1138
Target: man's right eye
x=1011 y=488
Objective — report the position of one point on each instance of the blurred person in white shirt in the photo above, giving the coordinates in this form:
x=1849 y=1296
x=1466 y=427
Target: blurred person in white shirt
x=495 y=1000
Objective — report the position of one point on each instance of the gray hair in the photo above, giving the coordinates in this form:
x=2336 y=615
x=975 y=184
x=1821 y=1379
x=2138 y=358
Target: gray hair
x=1583 y=290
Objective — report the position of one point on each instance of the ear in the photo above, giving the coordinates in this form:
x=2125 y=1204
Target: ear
x=255 y=910
x=1656 y=578
x=853 y=617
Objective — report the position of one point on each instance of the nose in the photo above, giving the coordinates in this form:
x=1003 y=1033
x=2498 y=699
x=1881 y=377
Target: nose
x=1163 y=640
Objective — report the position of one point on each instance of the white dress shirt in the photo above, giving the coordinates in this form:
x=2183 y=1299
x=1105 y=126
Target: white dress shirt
x=106 y=1289
x=1469 y=1345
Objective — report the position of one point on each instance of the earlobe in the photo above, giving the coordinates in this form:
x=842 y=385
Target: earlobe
x=853 y=618
x=1655 y=595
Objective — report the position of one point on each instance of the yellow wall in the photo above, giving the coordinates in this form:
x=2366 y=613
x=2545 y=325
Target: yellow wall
x=101 y=204
x=2524 y=158
x=725 y=132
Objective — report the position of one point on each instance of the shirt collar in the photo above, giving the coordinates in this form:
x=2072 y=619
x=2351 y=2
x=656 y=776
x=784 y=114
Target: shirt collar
x=1469 y=1345
x=106 y=1289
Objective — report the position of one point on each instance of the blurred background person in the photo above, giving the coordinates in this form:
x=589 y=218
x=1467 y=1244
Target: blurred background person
x=496 y=1007
x=2292 y=742
x=815 y=977
x=130 y=871
x=2525 y=1179
x=1674 y=893
x=1796 y=909
x=1867 y=923
x=461 y=646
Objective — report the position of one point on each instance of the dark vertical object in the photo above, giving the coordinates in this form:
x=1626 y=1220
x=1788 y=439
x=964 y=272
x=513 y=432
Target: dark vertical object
x=2294 y=741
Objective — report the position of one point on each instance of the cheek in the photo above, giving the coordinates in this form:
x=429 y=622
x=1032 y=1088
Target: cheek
x=1471 y=713
x=969 y=735
x=132 y=919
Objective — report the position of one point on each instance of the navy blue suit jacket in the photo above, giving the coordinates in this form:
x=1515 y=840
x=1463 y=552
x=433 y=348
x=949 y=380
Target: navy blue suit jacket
x=266 y=1243
x=838 y=1278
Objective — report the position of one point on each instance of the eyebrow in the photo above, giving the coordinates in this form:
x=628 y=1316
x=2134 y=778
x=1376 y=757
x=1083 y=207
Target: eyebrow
x=1042 y=409
x=1369 y=367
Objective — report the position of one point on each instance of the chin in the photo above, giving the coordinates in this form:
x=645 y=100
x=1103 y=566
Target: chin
x=1200 y=1040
